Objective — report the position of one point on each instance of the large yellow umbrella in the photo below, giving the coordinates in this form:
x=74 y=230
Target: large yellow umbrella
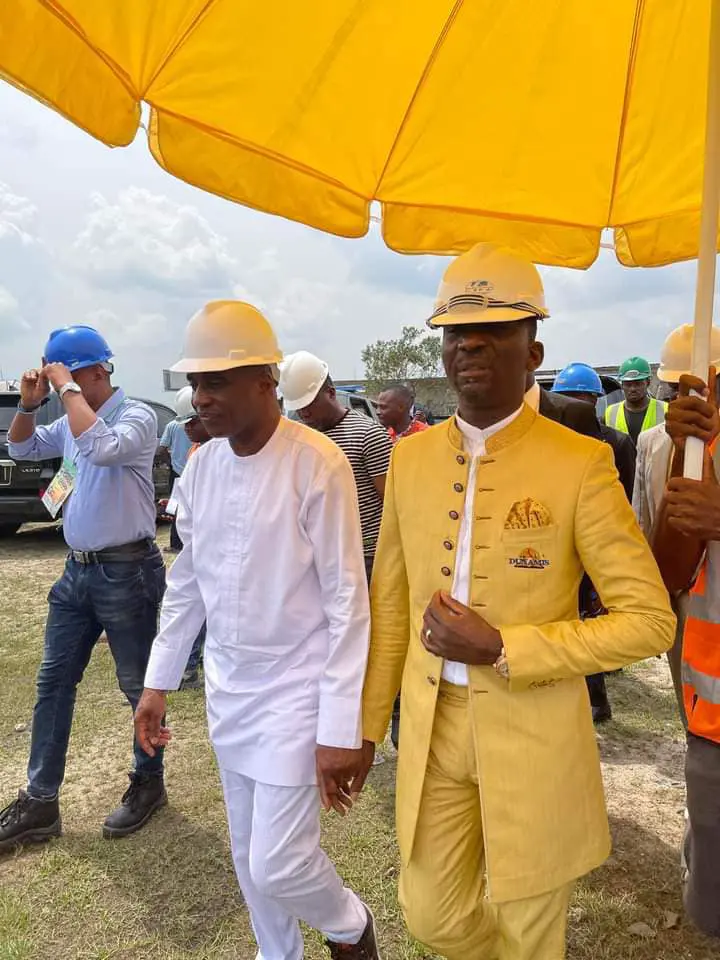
x=535 y=123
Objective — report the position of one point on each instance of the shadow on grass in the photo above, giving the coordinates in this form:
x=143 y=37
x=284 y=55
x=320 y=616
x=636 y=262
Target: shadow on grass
x=175 y=878
x=639 y=883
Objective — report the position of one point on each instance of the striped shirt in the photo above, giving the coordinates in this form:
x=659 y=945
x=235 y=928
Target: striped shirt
x=368 y=447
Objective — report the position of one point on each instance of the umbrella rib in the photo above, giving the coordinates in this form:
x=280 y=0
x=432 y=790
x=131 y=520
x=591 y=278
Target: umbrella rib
x=174 y=47
x=259 y=151
x=59 y=12
x=452 y=16
x=493 y=215
x=639 y=11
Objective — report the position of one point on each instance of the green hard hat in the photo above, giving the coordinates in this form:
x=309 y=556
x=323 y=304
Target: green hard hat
x=634 y=368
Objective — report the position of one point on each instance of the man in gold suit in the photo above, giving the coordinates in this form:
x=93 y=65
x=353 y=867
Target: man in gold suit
x=490 y=520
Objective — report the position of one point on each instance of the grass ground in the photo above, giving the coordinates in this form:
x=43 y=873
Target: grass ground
x=169 y=893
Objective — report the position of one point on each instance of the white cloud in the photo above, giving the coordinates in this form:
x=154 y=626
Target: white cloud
x=147 y=240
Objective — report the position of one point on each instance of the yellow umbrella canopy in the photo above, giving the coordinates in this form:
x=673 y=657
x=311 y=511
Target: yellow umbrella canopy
x=534 y=124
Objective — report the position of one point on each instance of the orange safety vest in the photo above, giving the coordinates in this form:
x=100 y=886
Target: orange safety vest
x=701 y=649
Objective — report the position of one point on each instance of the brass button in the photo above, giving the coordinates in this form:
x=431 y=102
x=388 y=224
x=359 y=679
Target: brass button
x=454 y=515
x=445 y=571
x=458 y=487
x=448 y=544
x=460 y=459
x=432 y=681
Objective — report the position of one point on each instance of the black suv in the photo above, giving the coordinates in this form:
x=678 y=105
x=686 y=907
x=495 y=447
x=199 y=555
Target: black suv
x=23 y=482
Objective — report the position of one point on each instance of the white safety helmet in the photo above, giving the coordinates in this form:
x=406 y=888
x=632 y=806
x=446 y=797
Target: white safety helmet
x=302 y=375
x=488 y=285
x=227 y=334
x=184 y=408
x=676 y=354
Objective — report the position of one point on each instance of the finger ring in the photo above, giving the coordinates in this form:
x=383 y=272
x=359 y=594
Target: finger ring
x=428 y=634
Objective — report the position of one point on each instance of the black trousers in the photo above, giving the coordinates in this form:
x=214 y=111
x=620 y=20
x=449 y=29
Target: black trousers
x=175 y=541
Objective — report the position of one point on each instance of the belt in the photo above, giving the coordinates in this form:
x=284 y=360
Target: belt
x=123 y=553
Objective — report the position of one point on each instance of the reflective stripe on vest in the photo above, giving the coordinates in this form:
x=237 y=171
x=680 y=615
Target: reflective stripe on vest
x=701 y=646
x=654 y=415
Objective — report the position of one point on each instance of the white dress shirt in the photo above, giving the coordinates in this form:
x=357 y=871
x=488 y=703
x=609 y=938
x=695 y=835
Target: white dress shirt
x=273 y=560
x=474 y=440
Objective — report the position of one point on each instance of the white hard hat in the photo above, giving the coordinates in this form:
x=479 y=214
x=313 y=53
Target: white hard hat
x=488 y=285
x=302 y=375
x=227 y=334
x=676 y=355
x=184 y=408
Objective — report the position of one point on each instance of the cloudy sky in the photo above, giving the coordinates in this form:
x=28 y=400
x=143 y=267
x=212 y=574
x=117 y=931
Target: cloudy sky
x=89 y=234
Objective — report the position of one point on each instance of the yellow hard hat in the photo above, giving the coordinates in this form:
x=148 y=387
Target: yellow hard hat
x=227 y=334
x=676 y=355
x=488 y=284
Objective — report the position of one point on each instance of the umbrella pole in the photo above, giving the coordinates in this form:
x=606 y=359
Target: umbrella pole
x=707 y=247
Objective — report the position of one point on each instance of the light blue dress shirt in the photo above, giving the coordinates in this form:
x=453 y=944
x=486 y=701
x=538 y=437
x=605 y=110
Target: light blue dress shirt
x=113 y=499
x=178 y=443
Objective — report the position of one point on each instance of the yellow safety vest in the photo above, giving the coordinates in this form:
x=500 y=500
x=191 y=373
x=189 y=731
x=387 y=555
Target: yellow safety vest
x=655 y=414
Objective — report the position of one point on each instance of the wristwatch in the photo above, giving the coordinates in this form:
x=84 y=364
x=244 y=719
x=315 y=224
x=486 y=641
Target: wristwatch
x=501 y=665
x=70 y=387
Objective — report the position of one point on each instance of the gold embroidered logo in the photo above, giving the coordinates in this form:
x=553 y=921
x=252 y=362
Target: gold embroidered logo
x=529 y=559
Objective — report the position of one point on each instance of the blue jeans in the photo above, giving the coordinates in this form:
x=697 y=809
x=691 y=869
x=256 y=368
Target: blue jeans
x=121 y=598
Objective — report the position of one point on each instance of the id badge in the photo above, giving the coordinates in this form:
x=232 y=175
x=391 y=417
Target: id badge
x=60 y=487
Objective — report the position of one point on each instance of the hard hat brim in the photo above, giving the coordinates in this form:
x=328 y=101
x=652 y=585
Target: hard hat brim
x=579 y=389
x=634 y=377
x=301 y=402
x=217 y=364
x=490 y=314
x=673 y=376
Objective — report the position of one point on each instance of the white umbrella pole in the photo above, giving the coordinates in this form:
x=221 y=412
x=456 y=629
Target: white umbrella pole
x=707 y=248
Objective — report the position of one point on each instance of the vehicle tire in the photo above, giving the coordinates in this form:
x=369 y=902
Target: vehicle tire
x=9 y=529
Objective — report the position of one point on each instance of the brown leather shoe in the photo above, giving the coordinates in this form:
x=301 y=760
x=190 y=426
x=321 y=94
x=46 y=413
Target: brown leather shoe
x=365 y=949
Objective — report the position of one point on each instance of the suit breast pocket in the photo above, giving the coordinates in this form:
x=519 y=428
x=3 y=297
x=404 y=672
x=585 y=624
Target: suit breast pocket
x=530 y=559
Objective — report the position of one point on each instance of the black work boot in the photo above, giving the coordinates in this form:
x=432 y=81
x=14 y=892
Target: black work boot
x=27 y=820
x=365 y=949
x=601 y=710
x=144 y=796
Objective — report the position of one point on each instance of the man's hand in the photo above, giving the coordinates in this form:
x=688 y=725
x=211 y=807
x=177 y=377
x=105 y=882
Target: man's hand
x=149 y=716
x=692 y=507
x=34 y=387
x=693 y=416
x=340 y=776
x=57 y=374
x=455 y=632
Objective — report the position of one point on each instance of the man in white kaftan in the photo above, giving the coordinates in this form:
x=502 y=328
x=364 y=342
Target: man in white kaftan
x=273 y=559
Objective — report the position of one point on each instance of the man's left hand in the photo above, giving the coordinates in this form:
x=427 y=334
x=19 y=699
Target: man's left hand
x=58 y=374
x=455 y=632
x=692 y=507
x=337 y=770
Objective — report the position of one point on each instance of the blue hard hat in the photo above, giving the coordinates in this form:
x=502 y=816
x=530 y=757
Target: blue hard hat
x=578 y=378
x=77 y=347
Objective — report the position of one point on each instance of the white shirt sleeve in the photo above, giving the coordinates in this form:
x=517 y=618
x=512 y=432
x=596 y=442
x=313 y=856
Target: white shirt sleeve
x=333 y=526
x=183 y=611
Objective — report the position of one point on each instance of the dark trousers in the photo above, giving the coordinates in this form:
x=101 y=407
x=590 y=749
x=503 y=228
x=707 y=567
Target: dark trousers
x=175 y=541
x=702 y=836
x=123 y=600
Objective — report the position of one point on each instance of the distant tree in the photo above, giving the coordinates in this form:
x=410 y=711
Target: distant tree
x=415 y=354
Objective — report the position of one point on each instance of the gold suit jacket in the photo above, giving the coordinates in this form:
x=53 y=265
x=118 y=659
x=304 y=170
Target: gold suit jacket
x=548 y=506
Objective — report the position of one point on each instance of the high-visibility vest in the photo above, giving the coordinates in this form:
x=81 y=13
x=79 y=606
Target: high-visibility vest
x=701 y=646
x=655 y=414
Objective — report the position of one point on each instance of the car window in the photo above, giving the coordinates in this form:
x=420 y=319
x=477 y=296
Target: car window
x=164 y=414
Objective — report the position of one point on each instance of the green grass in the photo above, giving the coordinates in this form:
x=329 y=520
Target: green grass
x=169 y=893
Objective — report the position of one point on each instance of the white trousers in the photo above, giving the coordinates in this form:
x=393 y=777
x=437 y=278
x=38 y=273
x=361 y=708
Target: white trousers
x=283 y=873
